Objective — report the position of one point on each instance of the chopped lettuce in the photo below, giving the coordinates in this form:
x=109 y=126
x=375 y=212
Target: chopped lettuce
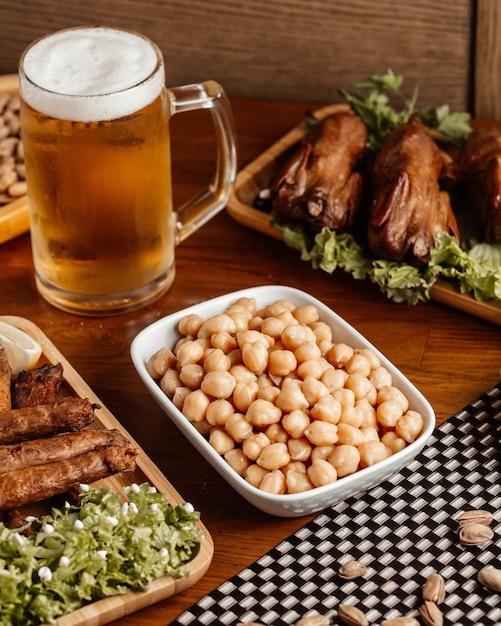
x=106 y=545
x=476 y=271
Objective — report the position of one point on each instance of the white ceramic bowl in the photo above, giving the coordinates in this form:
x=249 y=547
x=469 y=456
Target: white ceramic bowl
x=164 y=333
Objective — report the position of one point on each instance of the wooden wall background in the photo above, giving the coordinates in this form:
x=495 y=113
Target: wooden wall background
x=296 y=49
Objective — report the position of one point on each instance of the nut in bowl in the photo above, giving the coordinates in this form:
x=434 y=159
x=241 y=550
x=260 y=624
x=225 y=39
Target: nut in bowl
x=305 y=415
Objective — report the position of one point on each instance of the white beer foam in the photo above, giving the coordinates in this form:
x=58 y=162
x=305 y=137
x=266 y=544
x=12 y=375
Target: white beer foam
x=91 y=74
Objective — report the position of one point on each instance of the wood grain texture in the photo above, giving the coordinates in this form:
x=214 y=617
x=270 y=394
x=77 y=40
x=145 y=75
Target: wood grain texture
x=451 y=356
x=287 y=49
x=488 y=60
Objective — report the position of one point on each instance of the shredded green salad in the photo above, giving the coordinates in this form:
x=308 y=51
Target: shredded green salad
x=107 y=544
x=475 y=268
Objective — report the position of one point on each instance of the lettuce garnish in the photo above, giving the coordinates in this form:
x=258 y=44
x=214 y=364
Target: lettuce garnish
x=401 y=282
x=108 y=544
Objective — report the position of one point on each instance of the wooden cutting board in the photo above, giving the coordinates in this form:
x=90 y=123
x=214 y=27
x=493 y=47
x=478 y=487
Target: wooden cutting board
x=257 y=176
x=109 y=609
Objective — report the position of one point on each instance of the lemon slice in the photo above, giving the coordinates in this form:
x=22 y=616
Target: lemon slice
x=22 y=350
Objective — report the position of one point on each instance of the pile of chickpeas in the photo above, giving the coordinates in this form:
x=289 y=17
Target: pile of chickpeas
x=286 y=406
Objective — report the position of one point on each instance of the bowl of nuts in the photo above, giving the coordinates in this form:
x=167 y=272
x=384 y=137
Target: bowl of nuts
x=286 y=400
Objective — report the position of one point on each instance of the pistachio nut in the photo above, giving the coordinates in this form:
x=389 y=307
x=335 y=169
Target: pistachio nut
x=401 y=621
x=434 y=589
x=490 y=577
x=430 y=614
x=352 y=616
x=476 y=516
x=314 y=620
x=352 y=569
x=474 y=534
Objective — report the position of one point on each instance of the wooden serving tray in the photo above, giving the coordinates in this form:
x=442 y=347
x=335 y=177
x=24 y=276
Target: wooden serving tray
x=14 y=217
x=109 y=609
x=258 y=175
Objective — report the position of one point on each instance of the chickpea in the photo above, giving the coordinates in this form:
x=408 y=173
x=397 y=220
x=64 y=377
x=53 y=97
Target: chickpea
x=327 y=409
x=244 y=394
x=262 y=413
x=313 y=390
x=322 y=473
x=216 y=359
x=322 y=452
x=238 y=427
x=321 y=433
x=235 y=357
x=388 y=412
x=291 y=397
x=306 y=314
x=297 y=482
x=294 y=466
x=204 y=343
x=281 y=362
x=245 y=306
x=349 y=435
x=191 y=375
x=276 y=433
x=215 y=324
x=296 y=334
x=299 y=449
x=272 y=326
x=350 y=416
x=370 y=433
x=295 y=423
x=307 y=351
x=392 y=393
x=345 y=458
x=221 y=441
x=274 y=309
x=274 y=456
x=409 y=426
x=372 y=452
x=368 y=413
x=255 y=323
x=253 y=445
x=334 y=379
x=380 y=377
x=237 y=460
x=373 y=358
x=312 y=368
x=179 y=397
x=358 y=363
x=190 y=324
x=203 y=428
x=254 y=474
x=255 y=356
x=241 y=320
x=273 y=482
x=323 y=334
x=250 y=336
x=189 y=352
x=169 y=382
x=361 y=387
x=218 y=412
x=287 y=318
x=219 y=384
x=160 y=362
x=242 y=374
x=223 y=340
x=393 y=442
x=344 y=396
x=339 y=354
x=269 y=393
x=195 y=405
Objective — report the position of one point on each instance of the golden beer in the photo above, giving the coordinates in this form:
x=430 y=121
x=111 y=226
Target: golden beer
x=100 y=202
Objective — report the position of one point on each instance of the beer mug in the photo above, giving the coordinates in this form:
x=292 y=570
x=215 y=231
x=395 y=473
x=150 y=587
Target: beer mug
x=95 y=126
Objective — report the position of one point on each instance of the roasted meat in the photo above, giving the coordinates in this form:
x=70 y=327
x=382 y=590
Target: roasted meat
x=479 y=171
x=37 y=386
x=321 y=184
x=407 y=207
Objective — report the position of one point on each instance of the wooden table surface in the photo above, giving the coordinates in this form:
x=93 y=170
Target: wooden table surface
x=451 y=356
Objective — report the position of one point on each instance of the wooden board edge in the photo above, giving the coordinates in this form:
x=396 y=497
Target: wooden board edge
x=104 y=611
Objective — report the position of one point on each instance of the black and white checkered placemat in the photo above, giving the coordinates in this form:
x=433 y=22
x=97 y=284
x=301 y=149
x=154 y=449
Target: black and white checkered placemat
x=402 y=531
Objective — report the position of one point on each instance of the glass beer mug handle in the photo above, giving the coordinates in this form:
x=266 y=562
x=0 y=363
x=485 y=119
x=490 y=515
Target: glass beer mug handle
x=197 y=211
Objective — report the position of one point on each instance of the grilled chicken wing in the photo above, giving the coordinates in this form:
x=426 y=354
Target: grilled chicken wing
x=320 y=184
x=408 y=208
x=479 y=167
